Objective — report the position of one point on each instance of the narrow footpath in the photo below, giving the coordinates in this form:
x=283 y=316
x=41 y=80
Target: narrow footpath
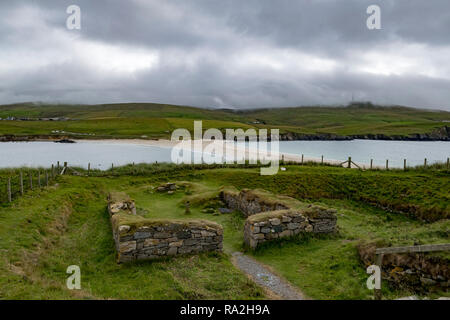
x=277 y=287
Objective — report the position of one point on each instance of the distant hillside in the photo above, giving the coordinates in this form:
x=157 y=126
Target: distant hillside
x=133 y=120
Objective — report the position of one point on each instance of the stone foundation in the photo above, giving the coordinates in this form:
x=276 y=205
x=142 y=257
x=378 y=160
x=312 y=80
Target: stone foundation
x=251 y=202
x=271 y=225
x=272 y=217
x=417 y=272
x=138 y=238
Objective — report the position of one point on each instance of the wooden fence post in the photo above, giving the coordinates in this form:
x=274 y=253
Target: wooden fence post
x=112 y=167
x=46 y=178
x=387 y=164
x=322 y=160
x=64 y=170
x=57 y=167
x=349 y=165
x=89 y=168
x=21 y=182
x=371 y=164
x=448 y=163
x=404 y=164
x=425 y=163
x=39 y=179
x=303 y=156
x=9 y=190
x=31 y=180
x=53 y=172
x=282 y=159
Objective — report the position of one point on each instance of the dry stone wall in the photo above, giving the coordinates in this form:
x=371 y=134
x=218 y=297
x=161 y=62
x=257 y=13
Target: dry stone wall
x=417 y=272
x=271 y=225
x=272 y=217
x=251 y=202
x=138 y=238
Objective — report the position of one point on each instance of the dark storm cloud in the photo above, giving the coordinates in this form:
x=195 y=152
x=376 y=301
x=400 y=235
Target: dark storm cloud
x=252 y=53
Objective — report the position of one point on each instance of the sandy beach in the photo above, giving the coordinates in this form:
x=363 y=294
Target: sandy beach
x=227 y=149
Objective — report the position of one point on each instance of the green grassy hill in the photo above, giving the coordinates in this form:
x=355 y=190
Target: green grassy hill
x=135 y=120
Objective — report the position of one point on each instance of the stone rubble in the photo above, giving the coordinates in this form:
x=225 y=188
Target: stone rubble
x=167 y=187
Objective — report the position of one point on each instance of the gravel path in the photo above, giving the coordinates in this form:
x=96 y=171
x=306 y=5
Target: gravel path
x=265 y=278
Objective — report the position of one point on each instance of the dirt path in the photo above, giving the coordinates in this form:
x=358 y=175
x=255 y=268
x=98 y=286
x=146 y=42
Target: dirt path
x=277 y=287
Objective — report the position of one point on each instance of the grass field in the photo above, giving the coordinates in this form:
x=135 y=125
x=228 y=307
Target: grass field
x=47 y=230
x=158 y=120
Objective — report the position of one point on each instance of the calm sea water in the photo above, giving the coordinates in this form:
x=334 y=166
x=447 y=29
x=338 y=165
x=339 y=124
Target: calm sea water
x=362 y=151
x=102 y=154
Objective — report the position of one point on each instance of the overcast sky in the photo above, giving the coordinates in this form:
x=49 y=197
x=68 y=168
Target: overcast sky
x=226 y=53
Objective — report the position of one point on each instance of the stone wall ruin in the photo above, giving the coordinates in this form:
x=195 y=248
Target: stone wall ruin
x=138 y=238
x=272 y=217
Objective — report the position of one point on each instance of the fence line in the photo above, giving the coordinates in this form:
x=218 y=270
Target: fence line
x=17 y=183
x=349 y=163
x=16 y=186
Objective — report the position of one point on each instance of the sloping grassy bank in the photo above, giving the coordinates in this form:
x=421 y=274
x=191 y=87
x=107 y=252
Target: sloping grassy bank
x=420 y=194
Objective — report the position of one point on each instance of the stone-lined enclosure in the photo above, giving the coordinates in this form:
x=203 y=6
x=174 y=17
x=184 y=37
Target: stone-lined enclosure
x=269 y=217
x=272 y=217
x=138 y=238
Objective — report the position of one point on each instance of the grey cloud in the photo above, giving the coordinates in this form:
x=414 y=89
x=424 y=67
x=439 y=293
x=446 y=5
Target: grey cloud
x=200 y=41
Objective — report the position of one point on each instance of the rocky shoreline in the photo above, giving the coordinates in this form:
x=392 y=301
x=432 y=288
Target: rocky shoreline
x=13 y=138
x=440 y=134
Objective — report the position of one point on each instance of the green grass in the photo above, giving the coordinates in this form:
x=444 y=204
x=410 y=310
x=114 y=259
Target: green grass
x=329 y=267
x=158 y=120
x=37 y=246
x=419 y=193
x=45 y=231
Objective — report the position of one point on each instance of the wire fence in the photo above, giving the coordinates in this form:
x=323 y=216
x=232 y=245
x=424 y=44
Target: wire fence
x=15 y=183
